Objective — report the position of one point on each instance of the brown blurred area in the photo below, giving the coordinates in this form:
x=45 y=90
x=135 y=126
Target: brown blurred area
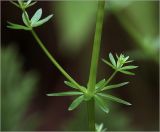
x=142 y=92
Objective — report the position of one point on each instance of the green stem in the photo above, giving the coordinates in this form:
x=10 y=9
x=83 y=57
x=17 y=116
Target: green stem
x=94 y=65
x=53 y=60
x=111 y=77
x=96 y=47
x=91 y=112
x=108 y=80
x=51 y=57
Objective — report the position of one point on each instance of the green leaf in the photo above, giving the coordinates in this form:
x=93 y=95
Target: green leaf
x=76 y=103
x=70 y=93
x=31 y=4
x=108 y=63
x=114 y=86
x=40 y=22
x=126 y=58
x=127 y=72
x=101 y=103
x=25 y=20
x=112 y=59
x=101 y=84
x=99 y=128
x=113 y=98
x=17 y=26
x=20 y=3
x=28 y=2
x=129 y=61
x=36 y=16
x=128 y=67
x=14 y=3
x=70 y=84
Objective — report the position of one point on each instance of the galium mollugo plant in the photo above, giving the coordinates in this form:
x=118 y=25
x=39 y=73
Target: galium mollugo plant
x=94 y=92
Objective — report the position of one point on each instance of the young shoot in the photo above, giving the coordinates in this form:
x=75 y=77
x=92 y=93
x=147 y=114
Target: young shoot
x=93 y=92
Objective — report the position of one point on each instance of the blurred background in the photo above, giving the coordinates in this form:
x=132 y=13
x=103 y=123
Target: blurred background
x=130 y=27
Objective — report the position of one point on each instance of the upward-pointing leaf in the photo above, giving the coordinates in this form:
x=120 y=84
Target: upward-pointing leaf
x=108 y=63
x=14 y=3
x=128 y=67
x=20 y=3
x=36 y=16
x=101 y=103
x=126 y=58
x=25 y=20
x=75 y=103
x=114 y=86
x=99 y=128
x=113 y=98
x=112 y=59
x=28 y=2
x=101 y=84
x=70 y=84
x=40 y=22
x=31 y=4
x=70 y=93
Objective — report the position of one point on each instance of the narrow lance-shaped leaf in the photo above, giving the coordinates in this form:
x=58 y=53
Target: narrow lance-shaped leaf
x=36 y=16
x=31 y=4
x=128 y=67
x=70 y=84
x=25 y=20
x=40 y=22
x=114 y=86
x=14 y=3
x=113 y=98
x=112 y=59
x=70 y=93
x=127 y=72
x=126 y=58
x=117 y=56
x=101 y=84
x=108 y=63
x=101 y=103
x=129 y=61
x=99 y=128
x=20 y=3
x=17 y=26
x=28 y=2
x=76 y=103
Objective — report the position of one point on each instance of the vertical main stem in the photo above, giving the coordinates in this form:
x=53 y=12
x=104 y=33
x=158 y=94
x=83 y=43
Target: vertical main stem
x=91 y=113
x=94 y=65
x=96 y=46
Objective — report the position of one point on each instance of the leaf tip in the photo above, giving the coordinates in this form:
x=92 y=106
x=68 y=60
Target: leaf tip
x=48 y=95
x=103 y=59
x=129 y=104
x=126 y=83
x=107 y=111
x=110 y=53
x=69 y=109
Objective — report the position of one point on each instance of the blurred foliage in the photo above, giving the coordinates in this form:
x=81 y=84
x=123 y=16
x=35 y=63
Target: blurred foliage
x=116 y=120
x=76 y=20
x=17 y=90
x=138 y=18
